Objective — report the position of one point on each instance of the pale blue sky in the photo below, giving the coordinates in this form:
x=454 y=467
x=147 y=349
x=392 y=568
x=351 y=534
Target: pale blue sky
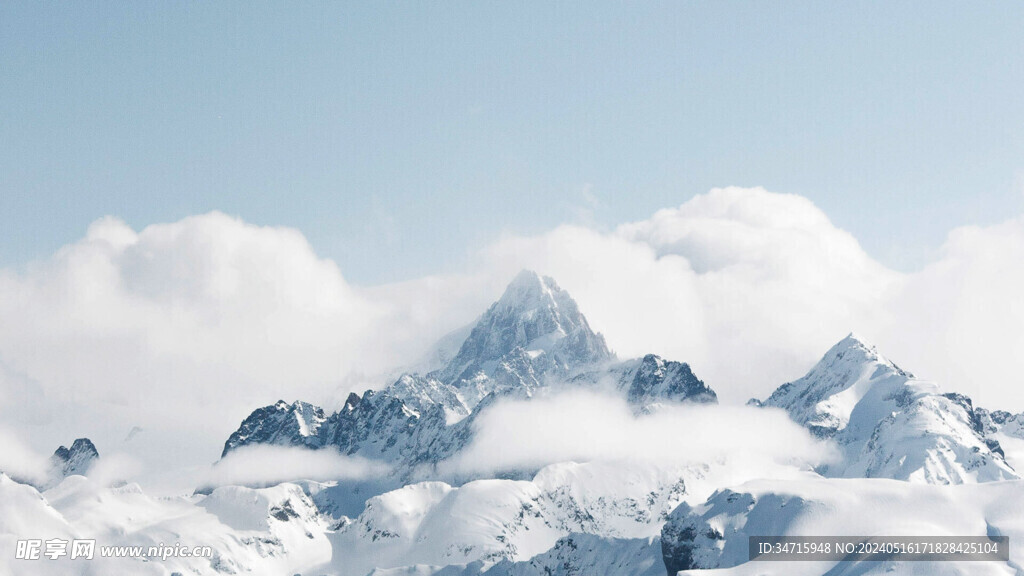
x=401 y=137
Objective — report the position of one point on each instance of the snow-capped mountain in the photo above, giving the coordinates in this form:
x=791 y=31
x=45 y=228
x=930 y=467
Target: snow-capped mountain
x=296 y=424
x=378 y=424
x=1007 y=430
x=889 y=424
x=1000 y=421
x=76 y=460
x=494 y=520
x=638 y=517
x=621 y=517
x=824 y=399
x=535 y=329
x=263 y=532
x=653 y=379
x=650 y=381
x=534 y=337
x=571 y=518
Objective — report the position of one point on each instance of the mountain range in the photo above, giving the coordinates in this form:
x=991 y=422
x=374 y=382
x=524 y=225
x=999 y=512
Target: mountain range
x=931 y=459
x=532 y=340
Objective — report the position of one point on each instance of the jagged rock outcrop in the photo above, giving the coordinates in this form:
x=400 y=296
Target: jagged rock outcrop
x=282 y=424
x=76 y=460
x=652 y=380
x=1000 y=422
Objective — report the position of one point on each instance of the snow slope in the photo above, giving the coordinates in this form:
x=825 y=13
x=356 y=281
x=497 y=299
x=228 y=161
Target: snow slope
x=889 y=424
x=434 y=524
x=712 y=538
x=500 y=526
x=911 y=460
x=269 y=531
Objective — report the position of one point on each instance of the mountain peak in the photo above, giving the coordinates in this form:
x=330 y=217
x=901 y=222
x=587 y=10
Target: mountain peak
x=527 y=277
x=534 y=314
x=823 y=399
x=529 y=291
x=534 y=323
x=888 y=424
x=853 y=342
x=856 y=350
x=75 y=460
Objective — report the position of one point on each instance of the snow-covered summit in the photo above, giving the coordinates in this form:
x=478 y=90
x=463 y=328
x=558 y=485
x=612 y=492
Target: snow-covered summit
x=857 y=348
x=534 y=336
x=823 y=400
x=887 y=423
x=534 y=323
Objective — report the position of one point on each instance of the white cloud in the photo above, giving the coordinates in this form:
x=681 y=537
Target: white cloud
x=167 y=313
x=184 y=328
x=584 y=426
x=19 y=461
x=112 y=468
x=751 y=288
x=268 y=465
x=960 y=320
x=746 y=285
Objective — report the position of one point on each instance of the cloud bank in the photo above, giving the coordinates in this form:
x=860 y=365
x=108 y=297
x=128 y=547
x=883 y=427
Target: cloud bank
x=269 y=465
x=751 y=287
x=584 y=426
x=20 y=461
x=746 y=285
x=183 y=328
